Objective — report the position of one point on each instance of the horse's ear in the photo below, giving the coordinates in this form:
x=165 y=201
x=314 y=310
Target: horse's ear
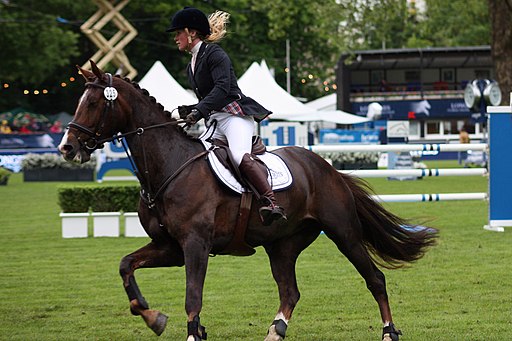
x=88 y=75
x=95 y=69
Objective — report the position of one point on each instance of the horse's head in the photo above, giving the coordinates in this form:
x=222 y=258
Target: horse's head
x=100 y=114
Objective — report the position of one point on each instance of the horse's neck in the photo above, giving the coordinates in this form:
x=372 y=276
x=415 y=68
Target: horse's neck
x=159 y=152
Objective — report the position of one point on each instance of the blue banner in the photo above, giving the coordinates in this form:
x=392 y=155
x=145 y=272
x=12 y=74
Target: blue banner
x=337 y=136
x=418 y=109
x=36 y=140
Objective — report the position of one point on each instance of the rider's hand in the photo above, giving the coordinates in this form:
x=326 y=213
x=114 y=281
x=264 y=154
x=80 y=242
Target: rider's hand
x=193 y=117
x=184 y=110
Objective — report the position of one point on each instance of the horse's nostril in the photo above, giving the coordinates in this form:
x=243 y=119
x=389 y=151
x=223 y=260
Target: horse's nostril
x=65 y=148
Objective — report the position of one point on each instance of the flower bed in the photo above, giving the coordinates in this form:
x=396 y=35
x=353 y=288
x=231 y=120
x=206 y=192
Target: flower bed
x=352 y=160
x=52 y=167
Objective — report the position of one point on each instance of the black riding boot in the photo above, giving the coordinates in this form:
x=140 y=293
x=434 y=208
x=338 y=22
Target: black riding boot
x=255 y=172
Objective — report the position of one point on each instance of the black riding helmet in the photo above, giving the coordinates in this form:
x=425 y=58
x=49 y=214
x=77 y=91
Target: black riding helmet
x=191 y=18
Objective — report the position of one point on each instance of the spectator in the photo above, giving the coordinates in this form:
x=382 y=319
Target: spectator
x=56 y=127
x=463 y=138
x=4 y=128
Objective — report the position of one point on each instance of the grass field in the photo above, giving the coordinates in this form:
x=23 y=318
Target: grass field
x=69 y=289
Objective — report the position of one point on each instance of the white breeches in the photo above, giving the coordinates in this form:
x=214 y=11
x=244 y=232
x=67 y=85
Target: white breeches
x=237 y=131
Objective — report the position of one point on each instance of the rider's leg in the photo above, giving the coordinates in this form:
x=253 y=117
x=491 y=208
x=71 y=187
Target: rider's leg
x=238 y=131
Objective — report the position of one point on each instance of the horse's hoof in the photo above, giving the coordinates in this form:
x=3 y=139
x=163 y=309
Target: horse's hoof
x=390 y=333
x=159 y=325
x=273 y=335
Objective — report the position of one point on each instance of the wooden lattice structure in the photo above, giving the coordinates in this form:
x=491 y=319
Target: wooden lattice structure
x=110 y=50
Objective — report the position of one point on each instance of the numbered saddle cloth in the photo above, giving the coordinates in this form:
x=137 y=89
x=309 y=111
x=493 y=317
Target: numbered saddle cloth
x=279 y=177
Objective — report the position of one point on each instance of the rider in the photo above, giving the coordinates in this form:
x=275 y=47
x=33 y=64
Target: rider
x=212 y=77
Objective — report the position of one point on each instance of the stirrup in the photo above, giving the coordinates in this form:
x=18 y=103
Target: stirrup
x=272 y=213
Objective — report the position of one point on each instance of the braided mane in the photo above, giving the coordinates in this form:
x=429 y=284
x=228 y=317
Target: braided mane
x=153 y=100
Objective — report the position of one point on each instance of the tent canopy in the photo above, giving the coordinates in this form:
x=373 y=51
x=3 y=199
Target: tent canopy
x=167 y=91
x=258 y=83
x=324 y=103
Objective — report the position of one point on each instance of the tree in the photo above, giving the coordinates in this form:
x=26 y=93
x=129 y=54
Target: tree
x=501 y=46
x=35 y=47
x=456 y=23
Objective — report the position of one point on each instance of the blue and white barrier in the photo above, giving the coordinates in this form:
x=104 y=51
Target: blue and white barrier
x=429 y=197
x=419 y=173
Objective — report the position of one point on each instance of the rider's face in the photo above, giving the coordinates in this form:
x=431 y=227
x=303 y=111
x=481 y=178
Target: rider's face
x=181 y=39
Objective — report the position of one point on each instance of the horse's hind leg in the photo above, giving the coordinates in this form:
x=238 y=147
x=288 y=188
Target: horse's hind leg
x=150 y=256
x=283 y=256
x=352 y=247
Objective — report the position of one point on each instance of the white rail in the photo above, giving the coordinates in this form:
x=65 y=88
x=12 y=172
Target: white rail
x=384 y=173
x=429 y=197
x=428 y=147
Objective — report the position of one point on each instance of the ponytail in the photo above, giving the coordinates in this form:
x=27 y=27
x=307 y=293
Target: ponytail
x=218 y=22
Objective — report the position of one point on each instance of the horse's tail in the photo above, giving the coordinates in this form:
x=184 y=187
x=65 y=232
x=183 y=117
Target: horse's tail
x=391 y=238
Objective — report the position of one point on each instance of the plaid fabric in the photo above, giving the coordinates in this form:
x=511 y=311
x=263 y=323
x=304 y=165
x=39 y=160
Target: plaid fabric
x=234 y=108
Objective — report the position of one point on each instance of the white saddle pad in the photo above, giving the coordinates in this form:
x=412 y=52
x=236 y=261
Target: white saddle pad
x=279 y=177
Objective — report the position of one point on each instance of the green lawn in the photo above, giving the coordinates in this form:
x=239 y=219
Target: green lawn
x=69 y=289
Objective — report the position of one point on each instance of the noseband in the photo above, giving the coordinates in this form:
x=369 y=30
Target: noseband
x=92 y=143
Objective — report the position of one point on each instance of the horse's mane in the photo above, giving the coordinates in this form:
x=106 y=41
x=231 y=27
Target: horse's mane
x=158 y=105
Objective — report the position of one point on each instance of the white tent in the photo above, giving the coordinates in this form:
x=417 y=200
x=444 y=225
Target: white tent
x=325 y=103
x=167 y=91
x=258 y=83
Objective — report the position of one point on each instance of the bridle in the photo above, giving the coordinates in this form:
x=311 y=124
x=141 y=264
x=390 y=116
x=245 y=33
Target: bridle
x=92 y=143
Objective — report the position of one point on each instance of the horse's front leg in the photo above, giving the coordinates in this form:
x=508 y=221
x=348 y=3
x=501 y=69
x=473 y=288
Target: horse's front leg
x=196 y=261
x=152 y=255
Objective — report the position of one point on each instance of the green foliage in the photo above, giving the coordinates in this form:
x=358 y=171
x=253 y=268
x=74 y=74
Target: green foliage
x=456 y=23
x=98 y=198
x=52 y=160
x=74 y=199
x=114 y=198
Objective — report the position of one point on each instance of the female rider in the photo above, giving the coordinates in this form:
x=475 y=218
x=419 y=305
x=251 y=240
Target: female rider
x=212 y=77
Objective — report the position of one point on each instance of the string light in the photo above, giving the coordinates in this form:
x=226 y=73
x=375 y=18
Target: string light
x=45 y=91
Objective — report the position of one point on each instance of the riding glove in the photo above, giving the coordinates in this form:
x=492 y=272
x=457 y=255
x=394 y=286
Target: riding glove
x=193 y=117
x=184 y=110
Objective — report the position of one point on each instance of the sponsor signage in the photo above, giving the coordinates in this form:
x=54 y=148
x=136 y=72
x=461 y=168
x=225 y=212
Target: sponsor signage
x=418 y=109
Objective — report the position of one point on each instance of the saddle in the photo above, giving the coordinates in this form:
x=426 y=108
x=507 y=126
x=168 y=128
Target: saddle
x=221 y=163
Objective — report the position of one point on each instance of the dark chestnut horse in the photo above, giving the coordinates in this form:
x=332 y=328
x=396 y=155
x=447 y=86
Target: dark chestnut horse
x=190 y=216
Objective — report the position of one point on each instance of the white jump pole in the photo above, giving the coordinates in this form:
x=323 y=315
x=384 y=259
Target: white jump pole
x=420 y=173
x=429 y=197
x=428 y=147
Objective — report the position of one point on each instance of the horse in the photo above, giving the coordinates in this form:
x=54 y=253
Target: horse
x=190 y=216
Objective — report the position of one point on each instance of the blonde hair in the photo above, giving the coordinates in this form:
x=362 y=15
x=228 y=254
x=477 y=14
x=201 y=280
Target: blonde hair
x=218 y=23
